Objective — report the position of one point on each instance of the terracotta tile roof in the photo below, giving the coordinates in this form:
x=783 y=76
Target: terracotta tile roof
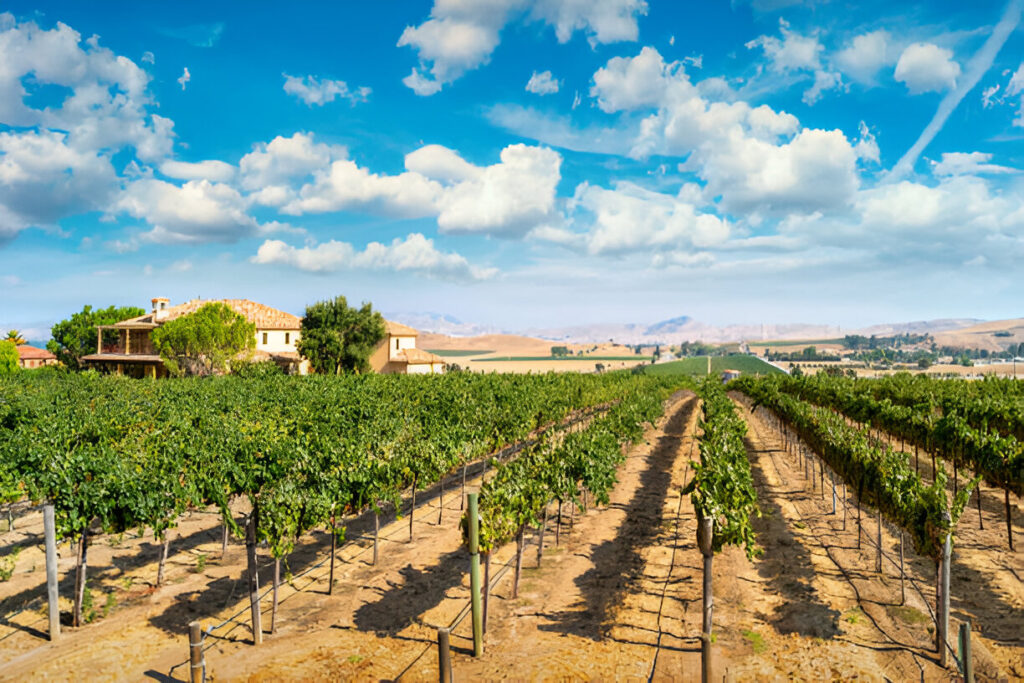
x=417 y=357
x=264 y=317
x=26 y=352
x=400 y=330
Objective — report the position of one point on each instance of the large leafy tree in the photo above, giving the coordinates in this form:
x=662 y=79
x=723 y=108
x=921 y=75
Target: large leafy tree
x=8 y=358
x=203 y=342
x=337 y=338
x=76 y=336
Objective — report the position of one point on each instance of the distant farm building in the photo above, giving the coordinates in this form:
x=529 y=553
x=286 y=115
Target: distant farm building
x=30 y=357
x=398 y=355
x=277 y=336
x=728 y=375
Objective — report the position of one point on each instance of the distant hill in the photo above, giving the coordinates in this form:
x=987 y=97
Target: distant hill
x=456 y=334
x=983 y=335
x=440 y=323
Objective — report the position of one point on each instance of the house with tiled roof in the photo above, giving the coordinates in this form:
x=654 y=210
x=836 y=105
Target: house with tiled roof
x=33 y=357
x=277 y=336
x=398 y=354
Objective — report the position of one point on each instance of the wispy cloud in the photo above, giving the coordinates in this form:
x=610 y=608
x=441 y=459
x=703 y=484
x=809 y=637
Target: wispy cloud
x=196 y=35
x=980 y=63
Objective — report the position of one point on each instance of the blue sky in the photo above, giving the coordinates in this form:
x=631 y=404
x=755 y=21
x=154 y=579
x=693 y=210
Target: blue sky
x=517 y=163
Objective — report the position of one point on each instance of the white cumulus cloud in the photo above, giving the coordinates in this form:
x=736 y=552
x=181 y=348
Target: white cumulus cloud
x=43 y=179
x=968 y=163
x=319 y=92
x=542 y=83
x=865 y=56
x=185 y=78
x=792 y=52
x=272 y=167
x=198 y=211
x=460 y=36
x=211 y=169
x=925 y=67
x=415 y=253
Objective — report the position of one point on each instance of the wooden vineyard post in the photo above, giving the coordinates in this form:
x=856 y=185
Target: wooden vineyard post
x=80 y=577
x=903 y=588
x=519 y=564
x=832 y=476
x=224 y=540
x=334 y=547
x=253 y=575
x=942 y=609
x=53 y=608
x=444 y=655
x=163 y=559
x=844 y=506
x=540 y=540
x=474 y=576
x=440 y=501
x=277 y=584
x=966 y=659
x=487 y=587
x=558 y=523
x=412 y=506
x=859 y=526
x=981 y=521
x=197 y=667
x=878 y=542
x=462 y=503
x=376 y=535
x=1009 y=521
x=705 y=534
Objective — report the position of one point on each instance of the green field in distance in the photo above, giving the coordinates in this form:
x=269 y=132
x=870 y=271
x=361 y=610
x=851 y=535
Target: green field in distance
x=456 y=353
x=578 y=358
x=698 y=365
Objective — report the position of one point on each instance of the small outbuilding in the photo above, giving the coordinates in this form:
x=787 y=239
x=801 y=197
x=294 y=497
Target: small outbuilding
x=30 y=357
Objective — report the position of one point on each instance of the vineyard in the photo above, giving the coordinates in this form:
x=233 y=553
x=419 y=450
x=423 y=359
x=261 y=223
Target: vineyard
x=672 y=530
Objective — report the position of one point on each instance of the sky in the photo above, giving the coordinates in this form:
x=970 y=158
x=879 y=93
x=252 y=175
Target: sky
x=516 y=163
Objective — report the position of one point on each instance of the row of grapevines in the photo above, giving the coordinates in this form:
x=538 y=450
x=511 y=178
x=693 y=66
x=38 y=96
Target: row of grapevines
x=883 y=478
x=998 y=458
x=722 y=488
x=133 y=454
x=992 y=404
x=557 y=468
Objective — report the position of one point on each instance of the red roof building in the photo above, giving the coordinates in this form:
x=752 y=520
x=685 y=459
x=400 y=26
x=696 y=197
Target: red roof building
x=32 y=357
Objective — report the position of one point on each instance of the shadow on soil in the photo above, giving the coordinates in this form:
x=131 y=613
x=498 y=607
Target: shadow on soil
x=787 y=566
x=618 y=564
x=419 y=591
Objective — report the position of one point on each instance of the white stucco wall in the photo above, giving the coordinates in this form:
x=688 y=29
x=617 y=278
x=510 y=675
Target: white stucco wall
x=425 y=369
x=276 y=340
x=396 y=344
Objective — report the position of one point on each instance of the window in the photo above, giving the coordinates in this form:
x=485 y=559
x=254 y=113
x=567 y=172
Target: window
x=396 y=344
x=287 y=337
x=264 y=337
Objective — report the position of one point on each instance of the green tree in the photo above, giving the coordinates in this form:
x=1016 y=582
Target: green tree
x=204 y=342
x=76 y=336
x=559 y=351
x=15 y=338
x=8 y=358
x=337 y=338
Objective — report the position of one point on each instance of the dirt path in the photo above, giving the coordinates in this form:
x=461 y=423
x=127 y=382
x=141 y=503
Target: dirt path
x=859 y=610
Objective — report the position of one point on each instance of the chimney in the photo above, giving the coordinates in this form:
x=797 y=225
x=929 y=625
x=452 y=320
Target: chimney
x=160 y=308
